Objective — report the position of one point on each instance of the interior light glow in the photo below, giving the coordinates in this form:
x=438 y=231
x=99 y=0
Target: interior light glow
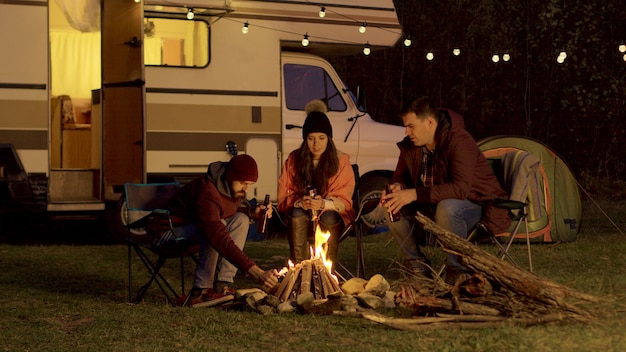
x=190 y=14
x=322 y=12
x=363 y=27
x=245 y=28
x=305 y=40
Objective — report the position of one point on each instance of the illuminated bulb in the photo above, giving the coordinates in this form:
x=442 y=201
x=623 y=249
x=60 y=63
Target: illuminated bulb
x=430 y=56
x=561 y=58
x=190 y=14
x=137 y=1
x=622 y=48
x=495 y=58
x=407 y=42
x=456 y=51
x=245 y=28
x=624 y=57
x=363 y=27
x=367 y=50
x=305 y=40
x=323 y=12
x=506 y=57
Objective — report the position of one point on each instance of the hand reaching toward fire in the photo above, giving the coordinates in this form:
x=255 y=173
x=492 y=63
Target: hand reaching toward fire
x=267 y=278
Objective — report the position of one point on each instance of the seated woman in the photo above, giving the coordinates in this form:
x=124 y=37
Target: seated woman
x=317 y=164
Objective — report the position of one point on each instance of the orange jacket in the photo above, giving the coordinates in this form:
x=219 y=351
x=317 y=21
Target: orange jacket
x=340 y=186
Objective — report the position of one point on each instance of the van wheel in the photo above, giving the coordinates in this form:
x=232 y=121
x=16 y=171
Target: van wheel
x=370 y=189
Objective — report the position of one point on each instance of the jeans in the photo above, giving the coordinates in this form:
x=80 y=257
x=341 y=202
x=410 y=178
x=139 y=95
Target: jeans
x=455 y=215
x=209 y=261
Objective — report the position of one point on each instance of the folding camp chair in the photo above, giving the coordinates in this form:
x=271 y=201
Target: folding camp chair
x=514 y=174
x=367 y=203
x=141 y=203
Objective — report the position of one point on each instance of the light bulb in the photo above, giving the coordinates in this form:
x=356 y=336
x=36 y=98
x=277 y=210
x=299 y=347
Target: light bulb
x=430 y=56
x=190 y=14
x=622 y=48
x=137 y=1
x=506 y=57
x=322 y=12
x=407 y=42
x=363 y=27
x=367 y=50
x=495 y=58
x=561 y=58
x=245 y=28
x=624 y=57
x=305 y=40
x=456 y=51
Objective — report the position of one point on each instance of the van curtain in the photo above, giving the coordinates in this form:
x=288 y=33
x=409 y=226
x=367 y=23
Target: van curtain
x=82 y=15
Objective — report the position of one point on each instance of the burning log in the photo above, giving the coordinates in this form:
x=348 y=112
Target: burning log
x=310 y=275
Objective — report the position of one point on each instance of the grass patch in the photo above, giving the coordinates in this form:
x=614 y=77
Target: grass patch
x=73 y=297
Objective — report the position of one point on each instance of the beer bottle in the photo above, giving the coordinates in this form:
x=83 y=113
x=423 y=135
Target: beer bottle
x=312 y=193
x=262 y=225
x=393 y=217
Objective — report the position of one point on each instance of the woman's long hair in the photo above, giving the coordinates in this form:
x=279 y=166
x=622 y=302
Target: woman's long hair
x=316 y=177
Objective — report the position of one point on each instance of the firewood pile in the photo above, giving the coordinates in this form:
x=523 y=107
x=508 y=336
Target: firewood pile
x=497 y=294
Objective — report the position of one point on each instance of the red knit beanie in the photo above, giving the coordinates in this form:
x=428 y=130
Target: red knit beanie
x=242 y=167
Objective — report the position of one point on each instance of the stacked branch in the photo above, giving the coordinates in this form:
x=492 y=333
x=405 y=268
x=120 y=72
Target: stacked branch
x=308 y=276
x=508 y=277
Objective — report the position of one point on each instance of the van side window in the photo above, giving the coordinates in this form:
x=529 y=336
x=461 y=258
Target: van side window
x=304 y=83
x=176 y=42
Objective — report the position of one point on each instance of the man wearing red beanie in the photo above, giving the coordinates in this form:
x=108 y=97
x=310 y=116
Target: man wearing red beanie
x=205 y=211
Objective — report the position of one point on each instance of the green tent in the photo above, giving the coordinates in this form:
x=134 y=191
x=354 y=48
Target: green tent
x=561 y=219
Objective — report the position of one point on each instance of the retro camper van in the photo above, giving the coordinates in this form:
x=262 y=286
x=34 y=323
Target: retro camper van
x=95 y=94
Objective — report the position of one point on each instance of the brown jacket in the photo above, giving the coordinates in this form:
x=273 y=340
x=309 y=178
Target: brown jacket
x=460 y=167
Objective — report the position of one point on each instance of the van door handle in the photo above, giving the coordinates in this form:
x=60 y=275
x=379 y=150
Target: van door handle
x=291 y=126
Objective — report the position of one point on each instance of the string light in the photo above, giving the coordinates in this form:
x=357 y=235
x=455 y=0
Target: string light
x=430 y=56
x=305 y=40
x=561 y=58
x=366 y=49
x=622 y=48
x=495 y=58
x=322 y=12
x=506 y=57
x=245 y=28
x=363 y=27
x=456 y=51
x=190 y=14
x=407 y=41
x=137 y=1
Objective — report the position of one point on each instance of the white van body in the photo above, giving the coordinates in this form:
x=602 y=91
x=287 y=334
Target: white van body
x=191 y=114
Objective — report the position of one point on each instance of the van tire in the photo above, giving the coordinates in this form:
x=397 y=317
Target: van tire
x=371 y=185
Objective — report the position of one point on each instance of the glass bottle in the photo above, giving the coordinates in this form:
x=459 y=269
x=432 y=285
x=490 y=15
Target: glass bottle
x=393 y=217
x=262 y=225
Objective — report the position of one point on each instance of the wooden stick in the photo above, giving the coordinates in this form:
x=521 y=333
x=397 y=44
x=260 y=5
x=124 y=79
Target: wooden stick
x=283 y=284
x=305 y=280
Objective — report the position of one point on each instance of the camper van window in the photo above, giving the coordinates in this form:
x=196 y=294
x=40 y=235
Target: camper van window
x=176 y=42
x=304 y=83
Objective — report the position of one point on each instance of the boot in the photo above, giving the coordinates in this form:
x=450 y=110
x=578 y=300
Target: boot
x=332 y=245
x=298 y=238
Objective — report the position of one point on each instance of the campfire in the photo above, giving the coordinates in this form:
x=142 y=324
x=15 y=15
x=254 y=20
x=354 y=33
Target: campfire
x=310 y=275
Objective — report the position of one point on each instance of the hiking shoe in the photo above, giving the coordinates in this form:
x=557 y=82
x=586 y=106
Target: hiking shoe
x=225 y=288
x=420 y=267
x=452 y=274
x=207 y=297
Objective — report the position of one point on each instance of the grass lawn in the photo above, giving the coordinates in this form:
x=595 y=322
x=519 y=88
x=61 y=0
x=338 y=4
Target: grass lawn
x=72 y=297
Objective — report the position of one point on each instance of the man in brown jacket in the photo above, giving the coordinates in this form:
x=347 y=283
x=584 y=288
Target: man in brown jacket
x=442 y=173
x=206 y=211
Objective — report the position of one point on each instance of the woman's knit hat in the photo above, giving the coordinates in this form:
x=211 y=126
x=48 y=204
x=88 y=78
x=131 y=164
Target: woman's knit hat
x=316 y=120
x=242 y=167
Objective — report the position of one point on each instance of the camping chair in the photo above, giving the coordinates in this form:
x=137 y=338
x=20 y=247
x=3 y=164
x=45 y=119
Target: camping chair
x=357 y=227
x=515 y=172
x=140 y=204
